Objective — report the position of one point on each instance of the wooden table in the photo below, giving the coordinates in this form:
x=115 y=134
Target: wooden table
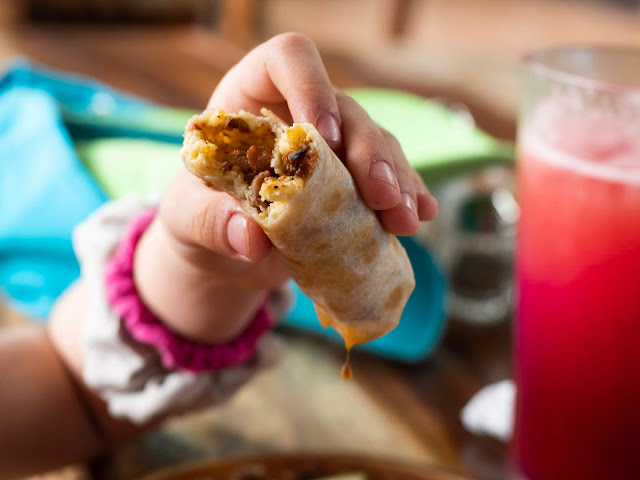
x=392 y=410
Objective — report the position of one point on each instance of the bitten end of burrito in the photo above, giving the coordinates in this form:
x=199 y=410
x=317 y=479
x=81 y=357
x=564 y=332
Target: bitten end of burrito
x=295 y=187
x=259 y=160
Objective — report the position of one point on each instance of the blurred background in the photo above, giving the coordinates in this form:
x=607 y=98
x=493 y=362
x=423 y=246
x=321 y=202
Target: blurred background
x=462 y=55
x=463 y=50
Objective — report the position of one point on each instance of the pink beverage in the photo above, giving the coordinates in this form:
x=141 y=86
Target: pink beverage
x=577 y=339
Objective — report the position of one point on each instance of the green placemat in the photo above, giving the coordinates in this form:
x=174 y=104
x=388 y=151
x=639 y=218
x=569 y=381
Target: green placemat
x=127 y=165
x=437 y=142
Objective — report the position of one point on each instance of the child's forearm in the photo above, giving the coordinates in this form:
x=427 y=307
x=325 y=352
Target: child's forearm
x=45 y=421
x=42 y=422
x=49 y=418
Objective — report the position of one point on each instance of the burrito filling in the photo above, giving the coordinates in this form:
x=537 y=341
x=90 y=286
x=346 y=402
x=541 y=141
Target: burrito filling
x=249 y=153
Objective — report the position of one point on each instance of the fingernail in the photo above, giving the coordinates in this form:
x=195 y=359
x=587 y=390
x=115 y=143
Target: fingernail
x=328 y=127
x=407 y=201
x=382 y=171
x=237 y=234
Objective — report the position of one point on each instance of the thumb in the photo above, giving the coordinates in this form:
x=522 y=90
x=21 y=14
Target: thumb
x=197 y=215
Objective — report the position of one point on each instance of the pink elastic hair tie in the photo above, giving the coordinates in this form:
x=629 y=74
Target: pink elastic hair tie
x=177 y=353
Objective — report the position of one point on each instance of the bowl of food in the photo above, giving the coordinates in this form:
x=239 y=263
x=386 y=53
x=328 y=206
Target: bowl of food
x=304 y=467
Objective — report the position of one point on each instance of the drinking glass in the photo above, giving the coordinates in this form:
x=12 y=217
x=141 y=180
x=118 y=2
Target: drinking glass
x=577 y=340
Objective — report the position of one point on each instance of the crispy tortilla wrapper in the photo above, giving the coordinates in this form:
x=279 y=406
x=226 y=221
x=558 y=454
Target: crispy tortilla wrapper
x=357 y=274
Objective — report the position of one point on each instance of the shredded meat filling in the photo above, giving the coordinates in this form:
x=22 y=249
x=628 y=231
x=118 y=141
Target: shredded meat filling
x=259 y=158
x=247 y=153
x=254 y=190
x=244 y=151
x=251 y=162
x=297 y=166
x=299 y=163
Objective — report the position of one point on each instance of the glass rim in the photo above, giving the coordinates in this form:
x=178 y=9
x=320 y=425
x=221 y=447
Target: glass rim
x=537 y=61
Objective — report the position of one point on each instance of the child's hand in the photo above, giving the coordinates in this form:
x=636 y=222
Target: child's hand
x=204 y=265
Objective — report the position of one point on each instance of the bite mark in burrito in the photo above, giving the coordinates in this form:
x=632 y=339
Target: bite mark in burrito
x=295 y=187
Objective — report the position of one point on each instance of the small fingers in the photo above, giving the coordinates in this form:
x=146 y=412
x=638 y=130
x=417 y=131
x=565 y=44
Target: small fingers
x=298 y=72
x=402 y=219
x=368 y=157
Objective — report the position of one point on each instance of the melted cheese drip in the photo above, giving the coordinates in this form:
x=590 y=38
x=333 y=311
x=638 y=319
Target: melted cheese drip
x=346 y=373
x=349 y=334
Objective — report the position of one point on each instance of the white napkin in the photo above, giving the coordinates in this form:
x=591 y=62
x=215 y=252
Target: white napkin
x=490 y=411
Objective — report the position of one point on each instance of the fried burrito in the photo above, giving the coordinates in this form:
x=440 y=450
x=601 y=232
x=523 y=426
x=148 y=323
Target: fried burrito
x=294 y=186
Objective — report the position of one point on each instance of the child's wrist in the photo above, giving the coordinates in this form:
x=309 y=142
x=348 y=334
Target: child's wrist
x=144 y=326
x=190 y=300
